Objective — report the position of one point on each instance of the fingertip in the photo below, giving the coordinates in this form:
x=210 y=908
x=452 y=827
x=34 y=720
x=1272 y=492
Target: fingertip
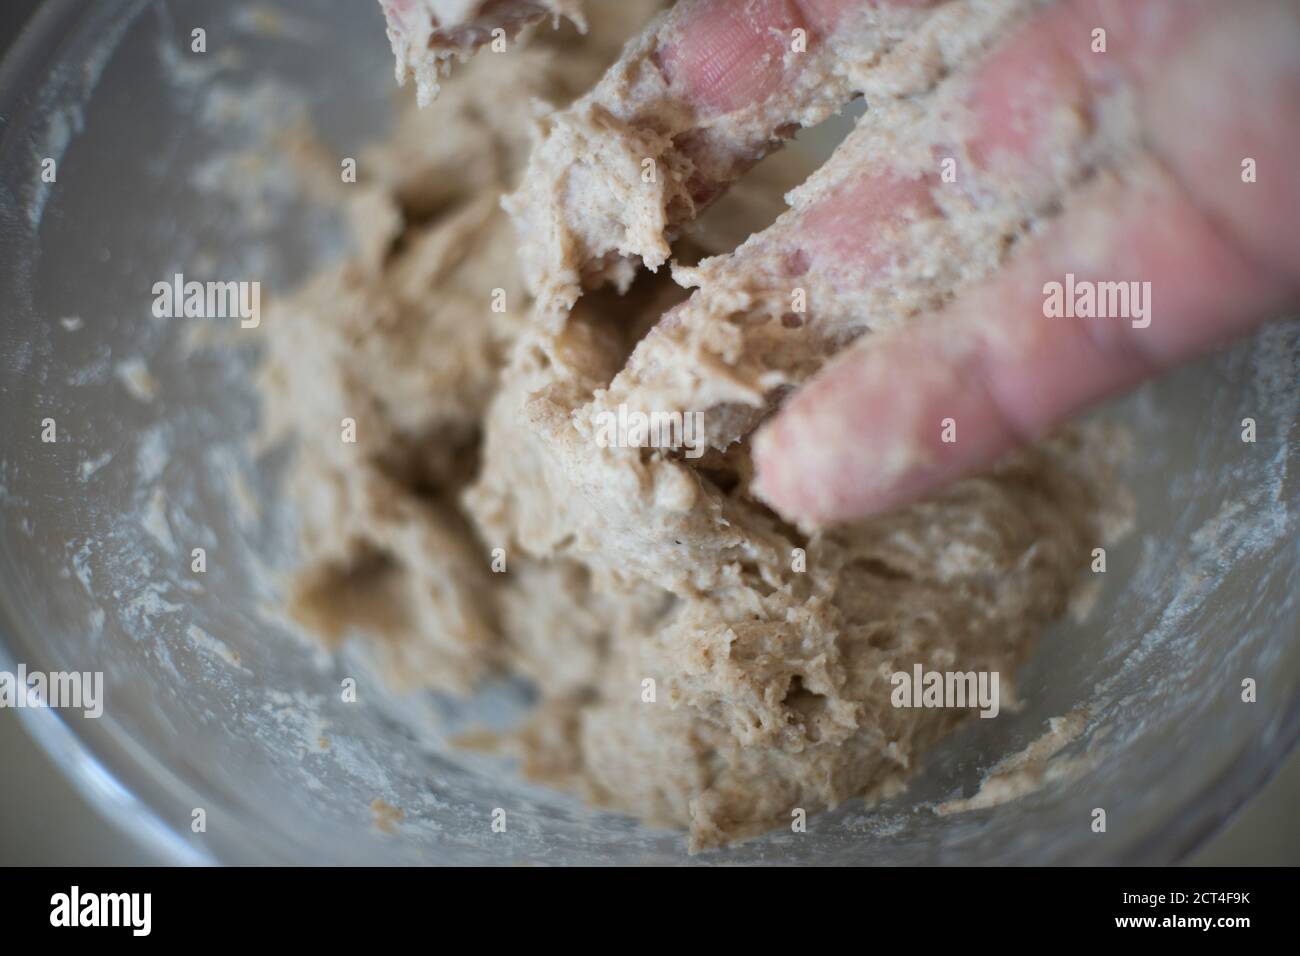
x=727 y=56
x=876 y=430
x=824 y=459
x=770 y=480
x=790 y=469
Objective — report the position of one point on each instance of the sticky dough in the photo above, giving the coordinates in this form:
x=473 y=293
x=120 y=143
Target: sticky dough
x=427 y=35
x=770 y=648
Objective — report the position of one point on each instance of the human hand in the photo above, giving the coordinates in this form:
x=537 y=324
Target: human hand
x=1159 y=165
x=1220 y=254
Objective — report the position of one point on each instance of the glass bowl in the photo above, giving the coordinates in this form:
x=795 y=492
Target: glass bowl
x=216 y=701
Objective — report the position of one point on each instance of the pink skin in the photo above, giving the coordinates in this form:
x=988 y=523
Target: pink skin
x=1219 y=254
x=732 y=51
x=846 y=236
x=729 y=55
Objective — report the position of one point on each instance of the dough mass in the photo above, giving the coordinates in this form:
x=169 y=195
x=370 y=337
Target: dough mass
x=626 y=565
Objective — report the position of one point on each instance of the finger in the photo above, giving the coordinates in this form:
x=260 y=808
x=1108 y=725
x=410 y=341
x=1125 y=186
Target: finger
x=728 y=56
x=873 y=431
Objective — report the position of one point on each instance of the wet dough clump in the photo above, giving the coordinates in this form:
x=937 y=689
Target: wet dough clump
x=769 y=648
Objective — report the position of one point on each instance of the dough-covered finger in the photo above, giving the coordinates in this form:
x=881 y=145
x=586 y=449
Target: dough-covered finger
x=908 y=411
